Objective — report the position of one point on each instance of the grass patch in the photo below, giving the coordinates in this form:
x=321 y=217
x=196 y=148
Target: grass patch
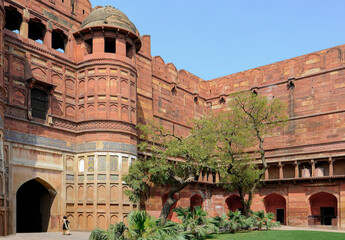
x=277 y=235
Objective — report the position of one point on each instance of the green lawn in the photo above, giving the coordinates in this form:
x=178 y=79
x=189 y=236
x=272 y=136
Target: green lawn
x=277 y=235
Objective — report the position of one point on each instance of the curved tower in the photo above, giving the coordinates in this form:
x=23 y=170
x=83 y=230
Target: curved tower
x=106 y=97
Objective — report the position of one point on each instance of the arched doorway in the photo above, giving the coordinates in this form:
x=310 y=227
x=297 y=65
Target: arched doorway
x=234 y=203
x=195 y=201
x=276 y=204
x=323 y=209
x=33 y=207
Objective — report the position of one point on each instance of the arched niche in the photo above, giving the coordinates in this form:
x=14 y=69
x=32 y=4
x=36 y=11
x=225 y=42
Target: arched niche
x=34 y=200
x=195 y=201
x=234 y=203
x=276 y=204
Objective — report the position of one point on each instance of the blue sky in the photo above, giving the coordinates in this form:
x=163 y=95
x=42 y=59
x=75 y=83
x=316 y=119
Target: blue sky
x=216 y=38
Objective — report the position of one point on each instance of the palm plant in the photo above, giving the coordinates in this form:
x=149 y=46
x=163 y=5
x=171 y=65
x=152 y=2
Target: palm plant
x=195 y=223
x=98 y=234
x=115 y=232
x=142 y=226
x=236 y=220
x=265 y=219
x=222 y=223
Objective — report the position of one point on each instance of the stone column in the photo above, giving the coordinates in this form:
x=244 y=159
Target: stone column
x=200 y=177
x=330 y=162
x=48 y=36
x=281 y=174
x=98 y=43
x=266 y=174
x=296 y=170
x=217 y=177
x=312 y=168
x=24 y=27
x=68 y=46
x=121 y=46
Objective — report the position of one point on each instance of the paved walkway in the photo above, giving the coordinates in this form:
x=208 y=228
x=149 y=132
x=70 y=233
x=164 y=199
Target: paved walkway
x=85 y=235
x=318 y=228
x=49 y=236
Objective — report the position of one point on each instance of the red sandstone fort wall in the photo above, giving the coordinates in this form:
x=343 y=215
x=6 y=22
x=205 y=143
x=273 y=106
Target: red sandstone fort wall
x=99 y=97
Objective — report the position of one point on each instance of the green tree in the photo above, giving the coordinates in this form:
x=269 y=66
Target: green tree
x=240 y=134
x=217 y=143
x=170 y=160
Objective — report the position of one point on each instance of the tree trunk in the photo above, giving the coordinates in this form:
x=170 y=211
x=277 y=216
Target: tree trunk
x=171 y=200
x=246 y=209
x=246 y=203
x=166 y=209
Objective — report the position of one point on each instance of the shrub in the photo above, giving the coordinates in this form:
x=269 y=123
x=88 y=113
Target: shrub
x=265 y=219
x=115 y=232
x=195 y=224
x=143 y=226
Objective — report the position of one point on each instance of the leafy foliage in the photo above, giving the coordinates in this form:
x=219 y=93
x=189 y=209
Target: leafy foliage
x=235 y=221
x=265 y=219
x=115 y=232
x=194 y=225
x=171 y=160
x=195 y=222
x=98 y=234
x=218 y=143
x=239 y=136
x=142 y=226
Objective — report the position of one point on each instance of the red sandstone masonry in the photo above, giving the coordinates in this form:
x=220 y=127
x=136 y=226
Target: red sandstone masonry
x=93 y=90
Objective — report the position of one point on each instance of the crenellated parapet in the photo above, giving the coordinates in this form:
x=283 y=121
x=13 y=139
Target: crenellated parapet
x=278 y=73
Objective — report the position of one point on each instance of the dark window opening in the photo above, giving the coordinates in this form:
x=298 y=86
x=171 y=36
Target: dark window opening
x=195 y=99
x=13 y=19
x=59 y=40
x=222 y=100
x=39 y=103
x=83 y=11
x=62 y=1
x=129 y=50
x=254 y=92
x=73 y=5
x=37 y=30
x=109 y=45
x=291 y=84
x=173 y=91
x=89 y=45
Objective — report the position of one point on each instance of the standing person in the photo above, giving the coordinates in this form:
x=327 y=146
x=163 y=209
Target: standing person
x=65 y=226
